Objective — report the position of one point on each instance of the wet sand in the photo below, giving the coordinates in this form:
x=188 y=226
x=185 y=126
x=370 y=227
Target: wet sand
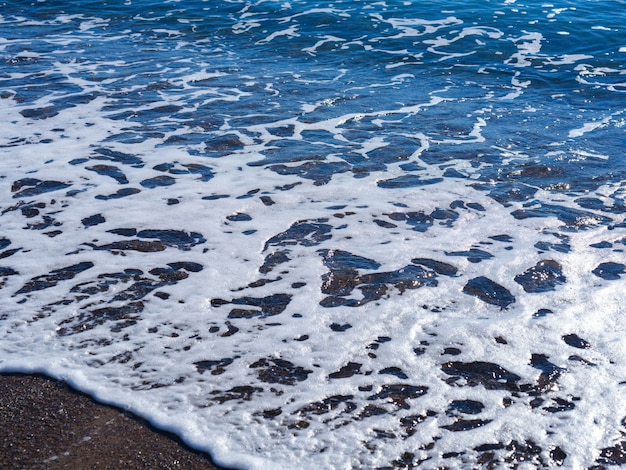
x=46 y=424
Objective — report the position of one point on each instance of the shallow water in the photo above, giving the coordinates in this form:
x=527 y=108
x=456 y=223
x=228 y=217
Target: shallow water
x=355 y=235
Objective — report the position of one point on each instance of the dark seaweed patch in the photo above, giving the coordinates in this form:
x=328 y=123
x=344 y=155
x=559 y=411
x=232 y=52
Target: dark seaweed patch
x=176 y=238
x=559 y=404
x=269 y=414
x=158 y=181
x=594 y=203
x=488 y=291
x=120 y=193
x=54 y=277
x=244 y=313
x=395 y=371
x=93 y=220
x=190 y=266
x=421 y=222
x=409 y=423
x=476 y=206
x=615 y=455
x=542 y=277
x=111 y=171
x=507 y=192
x=338 y=284
x=558 y=456
x=118 y=157
x=327 y=405
x=473 y=255
x=274 y=259
x=31 y=210
x=242 y=392
x=502 y=238
x=320 y=172
x=350 y=369
x=439 y=267
x=142 y=286
x=280 y=371
x=298 y=425
x=239 y=217
x=562 y=247
x=577 y=358
x=125 y=232
x=573 y=219
x=542 y=312
x=40 y=113
x=291 y=151
x=267 y=201
x=139 y=285
x=205 y=172
x=34 y=186
x=610 y=271
x=45 y=223
x=104 y=281
x=344 y=260
x=529 y=453
x=602 y=245
x=216 y=367
x=576 y=341
x=53 y=233
x=269 y=306
x=340 y=328
x=489 y=375
x=470 y=407
x=120 y=317
x=164 y=238
x=398 y=394
x=466 y=424
x=223 y=145
x=384 y=224
x=550 y=372
x=7 y=253
x=382 y=434
x=303 y=232
x=407 y=181
x=132 y=245
x=5 y=272
x=371 y=410
x=249 y=194
x=230 y=330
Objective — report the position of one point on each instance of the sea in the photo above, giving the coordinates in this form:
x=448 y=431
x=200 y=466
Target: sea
x=324 y=234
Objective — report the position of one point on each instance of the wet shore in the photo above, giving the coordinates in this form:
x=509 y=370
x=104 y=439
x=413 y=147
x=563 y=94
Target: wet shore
x=46 y=424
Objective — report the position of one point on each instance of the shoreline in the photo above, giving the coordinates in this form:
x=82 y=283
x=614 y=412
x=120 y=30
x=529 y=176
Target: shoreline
x=47 y=424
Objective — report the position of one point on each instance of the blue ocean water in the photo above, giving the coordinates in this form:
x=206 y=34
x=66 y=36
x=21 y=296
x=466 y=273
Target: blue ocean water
x=348 y=234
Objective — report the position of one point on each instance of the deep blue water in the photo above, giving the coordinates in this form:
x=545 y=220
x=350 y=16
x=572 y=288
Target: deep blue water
x=473 y=54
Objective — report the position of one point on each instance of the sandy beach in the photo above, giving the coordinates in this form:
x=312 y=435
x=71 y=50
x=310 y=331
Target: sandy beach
x=46 y=424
